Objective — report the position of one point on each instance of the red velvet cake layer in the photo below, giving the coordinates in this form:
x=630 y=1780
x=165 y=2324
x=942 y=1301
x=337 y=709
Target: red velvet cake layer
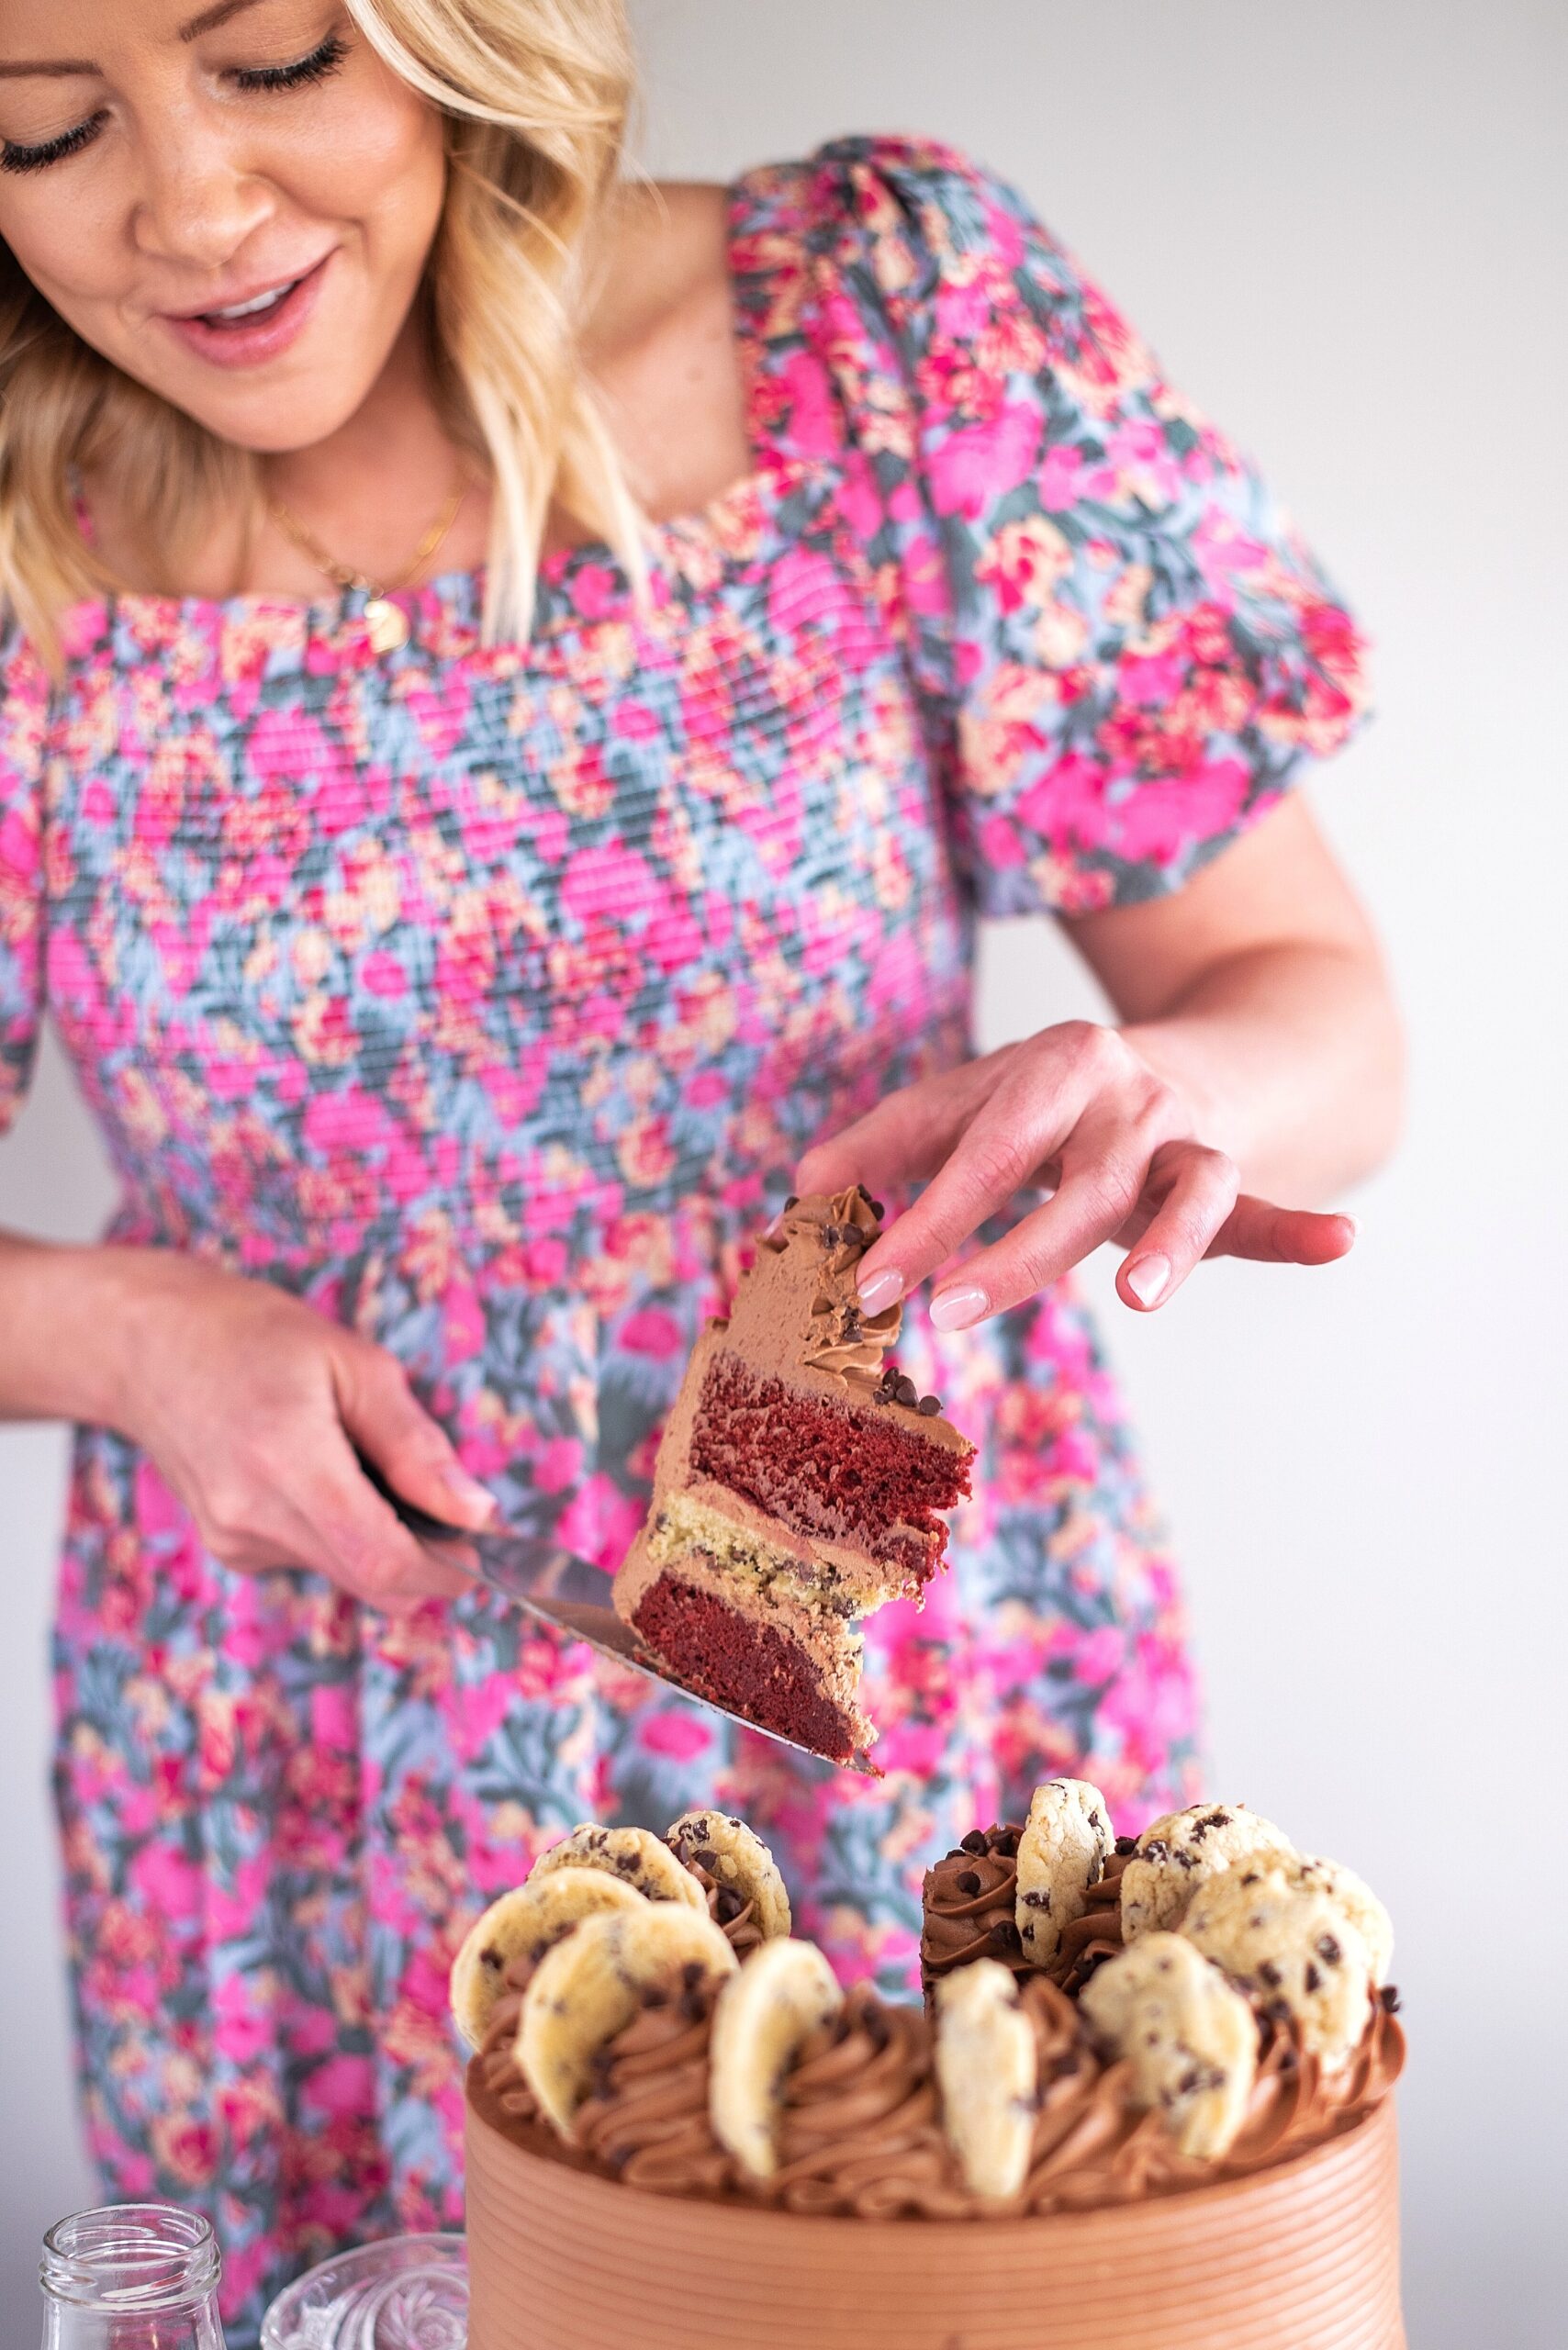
x=853 y=1476
x=753 y=1668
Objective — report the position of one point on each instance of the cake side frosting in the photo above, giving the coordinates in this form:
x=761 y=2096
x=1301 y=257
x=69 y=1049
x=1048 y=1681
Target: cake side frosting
x=861 y=2134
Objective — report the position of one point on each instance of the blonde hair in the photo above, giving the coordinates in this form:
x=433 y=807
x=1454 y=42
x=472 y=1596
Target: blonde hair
x=535 y=95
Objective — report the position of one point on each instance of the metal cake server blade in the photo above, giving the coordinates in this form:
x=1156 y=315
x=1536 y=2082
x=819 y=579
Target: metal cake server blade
x=564 y=1590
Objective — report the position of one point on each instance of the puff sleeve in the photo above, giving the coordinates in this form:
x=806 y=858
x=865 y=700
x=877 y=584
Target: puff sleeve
x=1124 y=651
x=24 y=702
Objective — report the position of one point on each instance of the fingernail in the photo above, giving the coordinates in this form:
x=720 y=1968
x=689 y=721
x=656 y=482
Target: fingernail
x=474 y=1498
x=883 y=1289
x=1146 y=1278
x=958 y=1309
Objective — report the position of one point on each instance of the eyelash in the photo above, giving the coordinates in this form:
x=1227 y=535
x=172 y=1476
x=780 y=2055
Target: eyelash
x=314 y=68
x=321 y=62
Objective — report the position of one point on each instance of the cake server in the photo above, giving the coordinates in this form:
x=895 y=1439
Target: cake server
x=562 y=1590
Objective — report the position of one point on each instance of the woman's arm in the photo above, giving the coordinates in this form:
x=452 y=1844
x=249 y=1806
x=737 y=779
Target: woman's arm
x=1258 y=1048
x=251 y=1405
x=1259 y=992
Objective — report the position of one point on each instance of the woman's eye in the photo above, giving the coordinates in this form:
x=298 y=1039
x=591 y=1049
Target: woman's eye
x=14 y=157
x=314 y=68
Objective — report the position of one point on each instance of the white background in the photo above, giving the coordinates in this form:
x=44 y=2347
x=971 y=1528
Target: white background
x=1342 y=226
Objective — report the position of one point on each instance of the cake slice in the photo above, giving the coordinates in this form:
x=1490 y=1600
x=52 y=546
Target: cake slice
x=799 y=1486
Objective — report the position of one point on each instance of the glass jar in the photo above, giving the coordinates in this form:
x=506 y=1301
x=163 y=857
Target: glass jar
x=131 y=2276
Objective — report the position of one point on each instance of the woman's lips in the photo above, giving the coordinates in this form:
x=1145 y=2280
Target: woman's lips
x=259 y=335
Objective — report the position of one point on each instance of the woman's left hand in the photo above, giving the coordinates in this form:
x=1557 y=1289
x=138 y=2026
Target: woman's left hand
x=1078 y=1108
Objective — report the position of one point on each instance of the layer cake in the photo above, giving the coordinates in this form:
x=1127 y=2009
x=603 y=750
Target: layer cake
x=752 y=2155
x=800 y=1484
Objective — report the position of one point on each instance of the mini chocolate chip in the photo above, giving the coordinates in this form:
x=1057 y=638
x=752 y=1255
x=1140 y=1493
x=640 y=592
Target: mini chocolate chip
x=1389 y=1996
x=1157 y=1848
x=967 y=1881
x=975 y=1842
x=1003 y=1935
x=1003 y=1843
x=1328 y=1950
x=1125 y=1847
x=908 y=1393
x=792 y=1202
x=1312 y=1978
x=929 y=1407
x=877 y=1210
x=1270 y=1973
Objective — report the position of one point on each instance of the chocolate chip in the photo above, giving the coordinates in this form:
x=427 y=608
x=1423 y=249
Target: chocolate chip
x=929 y=1407
x=1328 y=1950
x=1270 y=1973
x=792 y=1202
x=1125 y=1847
x=1389 y=1996
x=1003 y=1935
x=1313 y=1980
x=975 y=1842
x=908 y=1393
x=1003 y=1843
x=967 y=1881
x=877 y=1210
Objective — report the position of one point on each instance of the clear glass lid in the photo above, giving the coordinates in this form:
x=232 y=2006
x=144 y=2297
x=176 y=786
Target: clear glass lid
x=409 y=2293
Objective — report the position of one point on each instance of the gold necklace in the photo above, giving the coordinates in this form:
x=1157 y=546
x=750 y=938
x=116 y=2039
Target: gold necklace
x=385 y=622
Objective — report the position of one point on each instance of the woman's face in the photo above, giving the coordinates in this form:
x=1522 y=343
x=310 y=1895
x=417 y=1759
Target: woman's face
x=233 y=203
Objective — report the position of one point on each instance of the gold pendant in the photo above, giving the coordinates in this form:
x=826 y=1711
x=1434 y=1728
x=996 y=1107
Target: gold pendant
x=386 y=626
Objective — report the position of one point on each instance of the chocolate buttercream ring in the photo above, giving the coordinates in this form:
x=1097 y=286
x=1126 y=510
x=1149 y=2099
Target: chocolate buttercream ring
x=766 y=2013
x=590 y=1986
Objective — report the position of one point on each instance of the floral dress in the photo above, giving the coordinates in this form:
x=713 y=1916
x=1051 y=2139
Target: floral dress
x=485 y=997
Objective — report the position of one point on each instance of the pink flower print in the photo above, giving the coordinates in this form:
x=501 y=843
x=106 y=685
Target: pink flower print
x=384 y=975
x=653 y=1331
x=186 y=2148
x=599 y=1522
x=611 y=884
x=558 y=1464
x=681 y=1736
x=980 y=463
x=343 y=2084
x=284 y=747
x=595 y=590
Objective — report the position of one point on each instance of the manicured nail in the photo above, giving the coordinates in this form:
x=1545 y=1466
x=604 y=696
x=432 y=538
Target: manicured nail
x=883 y=1289
x=474 y=1498
x=958 y=1309
x=1146 y=1278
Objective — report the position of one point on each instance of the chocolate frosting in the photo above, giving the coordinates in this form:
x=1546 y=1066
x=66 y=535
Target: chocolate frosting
x=496 y=2060
x=861 y=2137
x=971 y=1912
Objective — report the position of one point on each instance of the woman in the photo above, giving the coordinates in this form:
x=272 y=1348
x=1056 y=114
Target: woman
x=517 y=686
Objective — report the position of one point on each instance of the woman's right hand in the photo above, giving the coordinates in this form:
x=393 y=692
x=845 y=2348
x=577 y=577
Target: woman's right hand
x=253 y=1408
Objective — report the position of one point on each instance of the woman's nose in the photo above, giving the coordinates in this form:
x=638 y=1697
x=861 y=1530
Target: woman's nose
x=198 y=204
